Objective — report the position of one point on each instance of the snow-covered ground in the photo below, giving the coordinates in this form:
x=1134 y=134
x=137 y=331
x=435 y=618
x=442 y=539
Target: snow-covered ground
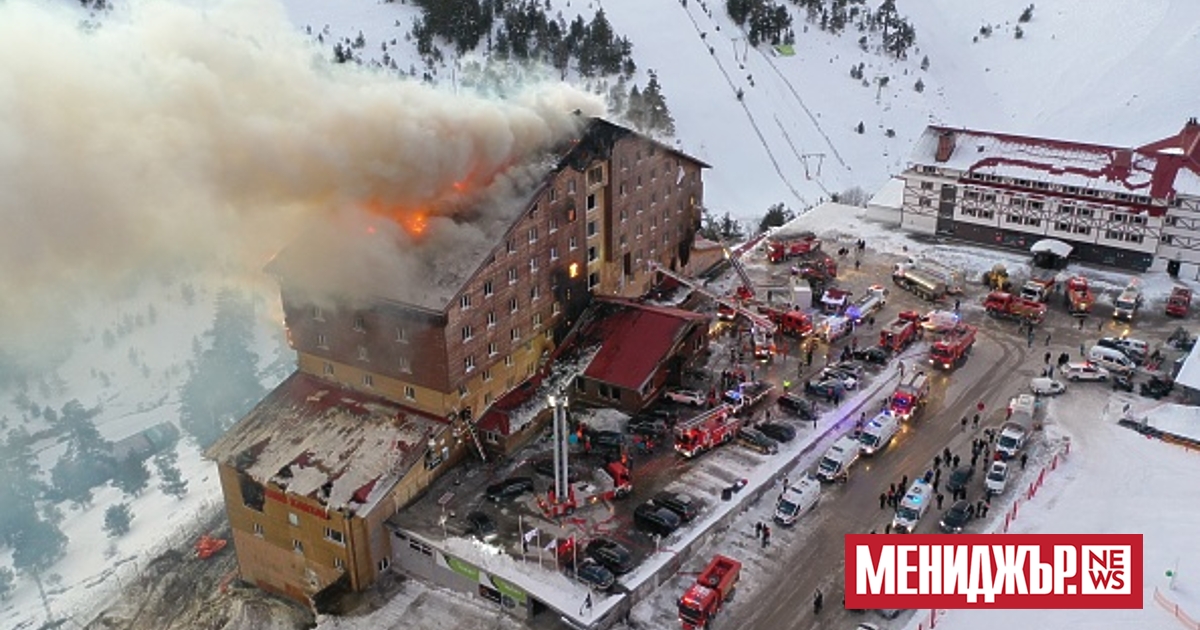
x=1113 y=481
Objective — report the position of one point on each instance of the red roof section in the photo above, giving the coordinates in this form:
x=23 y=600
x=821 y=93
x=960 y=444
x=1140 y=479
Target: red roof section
x=636 y=339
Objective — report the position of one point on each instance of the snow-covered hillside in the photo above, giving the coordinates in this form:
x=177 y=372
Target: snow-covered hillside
x=1089 y=70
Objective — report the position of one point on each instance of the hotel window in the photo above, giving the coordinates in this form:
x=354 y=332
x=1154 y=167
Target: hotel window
x=535 y=292
x=464 y=302
x=553 y=194
x=537 y=320
x=573 y=244
x=318 y=314
x=258 y=530
x=334 y=536
x=384 y=564
x=328 y=369
x=533 y=265
x=491 y=319
x=322 y=341
x=553 y=224
x=591 y=202
x=621 y=189
x=595 y=176
x=297 y=546
x=532 y=235
x=512 y=248
x=463 y=391
x=533 y=211
x=487 y=375
x=410 y=392
x=508 y=362
x=571 y=187
x=401 y=335
x=359 y=324
x=593 y=280
x=924 y=203
x=368 y=380
x=293 y=520
x=554 y=253
x=362 y=354
x=1035 y=205
x=469 y=363
x=592 y=255
x=555 y=308
x=926 y=185
x=488 y=290
x=1062 y=227
x=405 y=365
x=513 y=305
x=338 y=563
x=571 y=214
x=591 y=229
x=467 y=333
x=512 y=275
x=492 y=349
x=514 y=334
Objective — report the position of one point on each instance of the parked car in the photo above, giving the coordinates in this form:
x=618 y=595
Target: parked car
x=777 y=431
x=610 y=553
x=756 y=440
x=606 y=441
x=1135 y=349
x=956 y=518
x=510 y=488
x=481 y=526
x=1043 y=386
x=687 y=397
x=649 y=427
x=684 y=505
x=802 y=407
x=960 y=478
x=827 y=389
x=1157 y=387
x=655 y=519
x=594 y=575
x=853 y=368
x=997 y=478
x=1123 y=382
x=1085 y=372
x=875 y=355
x=545 y=466
x=848 y=380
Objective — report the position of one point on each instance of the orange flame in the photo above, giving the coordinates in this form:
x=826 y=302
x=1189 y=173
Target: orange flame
x=415 y=221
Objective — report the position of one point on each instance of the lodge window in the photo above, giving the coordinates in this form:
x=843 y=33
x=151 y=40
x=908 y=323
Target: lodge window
x=533 y=235
x=591 y=229
x=467 y=333
x=297 y=546
x=512 y=275
x=592 y=255
x=593 y=280
x=258 y=530
x=514 y=334
x=553 y=224
x=591 y=202
x=537 y=320
x=468 y=363
x=338 y=563
x=1035 y=205
x=328 y=369
x=1062 y=227
x=571 y=214
x=492 y=349
x=362 y=353
x=571 y=187
x=405 y=364
x=487 y=375
x=334 y=536
x=508 y=362
x=359 y=324
x=535 y=292
x=488 y=290
x=555 y=308
x=368 y=380
x=553 y=194
x=318 y=314
x=293 y=520
x=573 y=244
x=464 y=302
x=513 y=305
x=1082 y=229
x=401 y=335
x=322 y=341
x=511 y=247
x=554 y=253
x=924 y=203
x=384 y=564
x=410 y=392
x=595 y=176
x=621 y=189
x=491 y=319
x=926 y=185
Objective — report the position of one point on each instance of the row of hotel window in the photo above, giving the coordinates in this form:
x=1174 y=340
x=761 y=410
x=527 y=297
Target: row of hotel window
x=1060 y=226
x=1040 y=185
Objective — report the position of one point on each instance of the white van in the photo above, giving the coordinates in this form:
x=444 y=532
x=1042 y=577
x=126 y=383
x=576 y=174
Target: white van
x=797 y=499
x=878 y=433
x=1112 y=360
x=912 y=507
x=835 y=465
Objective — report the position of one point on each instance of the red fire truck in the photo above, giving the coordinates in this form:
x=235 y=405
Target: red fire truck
x=904 y=330
x=1079 y=296
x=614 y=481
x=953 y=348
x=793 y=323
x=715 y=586
x=783 y=248
x=706 y=431
x=1179 y=302
x=910 y=396
x=1001 y=304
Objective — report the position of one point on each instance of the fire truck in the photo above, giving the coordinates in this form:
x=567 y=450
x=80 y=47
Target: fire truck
x=614 y=481
x=715 y=585
x=747 y=395
x=1007 y=305
x=1038 y=289
x=952 y=349
x=816 y=267
x=781 y=248
x=706 y=431
x=910 y=396
x=834 y=301
x=925 y=283
x=1079 y=296
x=904 y=330
x=789 y=322
x=869 y=304
x=1179 y=302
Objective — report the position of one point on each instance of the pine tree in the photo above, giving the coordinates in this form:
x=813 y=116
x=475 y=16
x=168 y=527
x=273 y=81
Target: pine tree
x=919 y=86
x=1026 y=15
x=117 y=520
x=6 y=583
x=860 y=128
x=172 y=481
x=776 y=216
x=88 y=461
x=658 y=117
x=131 y=476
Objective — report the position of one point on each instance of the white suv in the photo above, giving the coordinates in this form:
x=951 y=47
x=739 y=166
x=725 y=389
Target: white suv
x=1086 y=372
x=687 y=397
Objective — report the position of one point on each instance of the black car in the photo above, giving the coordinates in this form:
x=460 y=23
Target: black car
x=778 y=432
x=853 y=368
x=1156 y=387
x=875 y=355
x=510 y=488
x=545 y=466
x=1122 y=381
x=799 y=405
x=594 y=575
x=606 y=441
x=655 y=519
x=482 y=526
x=826 y=390
x=684 y=505
x=610 y=553
x=956 y=518
x=648 y=427
x=960 y=478
x=756 y=440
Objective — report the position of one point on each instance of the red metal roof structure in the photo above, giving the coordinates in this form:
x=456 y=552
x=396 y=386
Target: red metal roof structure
x=1158 y=170
x=636 y=339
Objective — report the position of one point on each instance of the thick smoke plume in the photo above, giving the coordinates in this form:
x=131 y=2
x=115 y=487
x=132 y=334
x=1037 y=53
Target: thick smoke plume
x=211 y=134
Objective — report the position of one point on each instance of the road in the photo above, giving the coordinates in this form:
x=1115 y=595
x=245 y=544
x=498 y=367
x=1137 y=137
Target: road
x=1000 y=366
